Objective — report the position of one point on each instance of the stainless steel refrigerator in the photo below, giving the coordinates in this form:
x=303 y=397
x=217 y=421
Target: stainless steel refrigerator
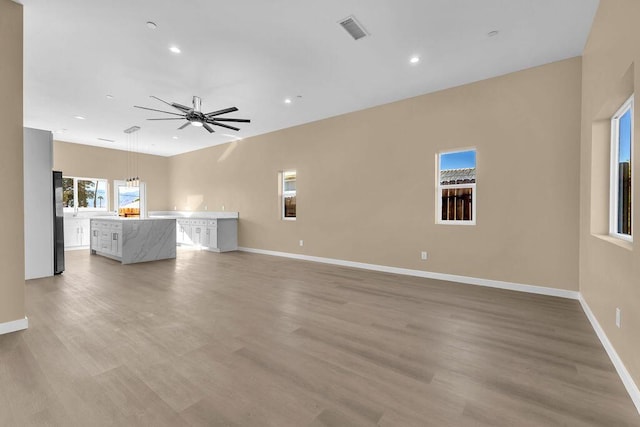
x=58 y=224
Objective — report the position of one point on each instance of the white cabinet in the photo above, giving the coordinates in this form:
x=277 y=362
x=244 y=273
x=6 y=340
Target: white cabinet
x=183 y=231
x=76 y=232
x=216 y=234
x=211 y=234
x=106 y=237
x=198 y=231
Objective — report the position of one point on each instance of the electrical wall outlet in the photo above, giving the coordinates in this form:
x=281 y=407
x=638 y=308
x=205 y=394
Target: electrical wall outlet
x=301 y=242
x=424 y=255
x=618 y=317
x=223 y=207
x=205 y=207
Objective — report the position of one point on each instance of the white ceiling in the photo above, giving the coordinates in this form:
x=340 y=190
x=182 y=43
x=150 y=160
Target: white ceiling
x=253 y=54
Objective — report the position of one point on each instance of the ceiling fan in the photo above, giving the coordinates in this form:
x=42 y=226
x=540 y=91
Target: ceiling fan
x=196 y=117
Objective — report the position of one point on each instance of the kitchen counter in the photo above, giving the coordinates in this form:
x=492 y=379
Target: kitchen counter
x=133 y=240
x=194 y=214
x=212 y=231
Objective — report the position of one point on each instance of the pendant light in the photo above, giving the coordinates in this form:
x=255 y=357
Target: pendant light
x=133 y=179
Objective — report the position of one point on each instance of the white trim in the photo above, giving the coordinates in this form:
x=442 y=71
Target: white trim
x=440 y=187
x=562 y=293
x=284 y=193
x=625 y=376
x=614 y=176
x=14 y=326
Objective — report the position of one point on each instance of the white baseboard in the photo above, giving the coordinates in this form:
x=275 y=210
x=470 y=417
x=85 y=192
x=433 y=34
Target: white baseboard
x=562 y=293
x=14 y=326
x=628 y=382
x=625 y=376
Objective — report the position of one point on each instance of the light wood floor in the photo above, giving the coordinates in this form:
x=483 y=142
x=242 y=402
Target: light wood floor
x=244 y=339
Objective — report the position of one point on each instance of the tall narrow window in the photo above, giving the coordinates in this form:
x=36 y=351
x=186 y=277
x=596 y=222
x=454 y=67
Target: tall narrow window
x=621 y=171
x=130 y=202
x=456 y=187
x=289 y=195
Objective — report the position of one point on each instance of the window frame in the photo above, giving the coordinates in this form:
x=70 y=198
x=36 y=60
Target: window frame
x=283 y=194
x=143 y=197
x=440 y=187
x=614 y=169
x=77 y=209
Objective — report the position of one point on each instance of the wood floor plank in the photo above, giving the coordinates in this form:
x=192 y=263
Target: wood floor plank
x=239 y=339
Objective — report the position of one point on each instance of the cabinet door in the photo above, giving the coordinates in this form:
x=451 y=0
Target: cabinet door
x=198 y=231
x=116 y=237
x=105 y=239
x=212 y=237
x=70 y=232
x=183 y=231
x=95 y=237
x=85 y=232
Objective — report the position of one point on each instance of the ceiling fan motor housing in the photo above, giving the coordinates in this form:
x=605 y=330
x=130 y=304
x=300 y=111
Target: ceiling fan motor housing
x=197 y=104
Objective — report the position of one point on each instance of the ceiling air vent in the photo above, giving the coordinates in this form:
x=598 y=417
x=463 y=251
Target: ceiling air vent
x=353 y=27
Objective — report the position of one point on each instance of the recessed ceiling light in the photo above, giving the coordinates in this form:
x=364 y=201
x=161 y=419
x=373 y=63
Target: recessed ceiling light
x=175 y=49
x=287 y=101
x=493 y=33
x=79 y=117
x=151 y=25
x=414 y=59
x=174 y=137
x=109 y=96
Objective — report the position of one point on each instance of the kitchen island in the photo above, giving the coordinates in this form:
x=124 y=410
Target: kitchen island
x=133 y=240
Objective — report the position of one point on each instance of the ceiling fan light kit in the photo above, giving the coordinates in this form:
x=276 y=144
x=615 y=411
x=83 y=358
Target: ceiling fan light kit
x=194 y=115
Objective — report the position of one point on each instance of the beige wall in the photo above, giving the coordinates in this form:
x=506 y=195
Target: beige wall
x=610 y=270
x=12 y=243
x=366 y=181
x=95 y=162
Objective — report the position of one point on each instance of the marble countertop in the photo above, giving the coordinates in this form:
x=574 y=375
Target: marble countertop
x=194 y=214
x=117 y=218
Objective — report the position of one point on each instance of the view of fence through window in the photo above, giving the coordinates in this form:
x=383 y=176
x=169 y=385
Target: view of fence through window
x=289 y=194
x=456 y=186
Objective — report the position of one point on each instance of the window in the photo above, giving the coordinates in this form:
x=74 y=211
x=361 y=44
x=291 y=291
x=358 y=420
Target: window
x=130 y=201
x=456 y=187
x=84 y=194
x=289 y=195
x=621 y=180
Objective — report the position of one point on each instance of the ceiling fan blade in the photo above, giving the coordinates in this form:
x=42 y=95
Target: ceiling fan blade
x=170 y=118
x=221 y=124
x=159 y=111
x=225 y=111
x=184 y=125
x=180 y=107
x=222 y=119
x=207 y=127
x=173 y=104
